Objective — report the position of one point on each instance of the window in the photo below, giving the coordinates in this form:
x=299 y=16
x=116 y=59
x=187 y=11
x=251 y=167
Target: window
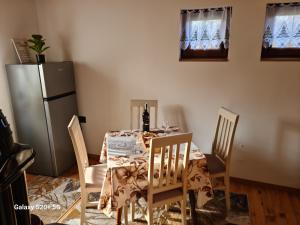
x=205 y=33
x=282 y=31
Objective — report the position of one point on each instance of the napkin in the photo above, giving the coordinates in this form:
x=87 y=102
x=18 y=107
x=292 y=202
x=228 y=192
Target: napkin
x=121 y=145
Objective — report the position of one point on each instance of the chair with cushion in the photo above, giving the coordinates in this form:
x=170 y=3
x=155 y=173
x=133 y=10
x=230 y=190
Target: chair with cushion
x=219 y=161
x=171 y=172
x=139 y=104
x=91 y=177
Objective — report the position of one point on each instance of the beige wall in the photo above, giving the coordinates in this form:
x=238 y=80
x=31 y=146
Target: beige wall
x=129 y=49
x=17 y=20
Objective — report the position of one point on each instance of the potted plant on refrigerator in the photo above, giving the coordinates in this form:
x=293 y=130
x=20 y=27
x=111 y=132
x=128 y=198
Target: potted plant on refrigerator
x=38 y=45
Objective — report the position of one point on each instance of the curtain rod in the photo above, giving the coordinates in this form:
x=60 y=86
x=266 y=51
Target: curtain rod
x=284 y=4
x=205 y=10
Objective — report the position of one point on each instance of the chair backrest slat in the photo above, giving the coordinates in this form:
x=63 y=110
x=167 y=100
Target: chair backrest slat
x=79 y=146
x=162 y=166
x=219 y=134
x=139 y=105
x=228 y=137
x=222 y=150
x=169 y=166
x=176 y=163
x=166 y=146
x=225 y=131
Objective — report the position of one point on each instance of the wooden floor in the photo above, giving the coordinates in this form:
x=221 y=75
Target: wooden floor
x=268 y=204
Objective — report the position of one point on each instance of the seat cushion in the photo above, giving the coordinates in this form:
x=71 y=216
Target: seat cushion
x=167 y=195
x=94 y=175
x=162 y=196
x=214 y=164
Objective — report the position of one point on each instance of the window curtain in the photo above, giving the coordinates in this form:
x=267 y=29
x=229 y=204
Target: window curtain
x=205 y=29
x=282 y=26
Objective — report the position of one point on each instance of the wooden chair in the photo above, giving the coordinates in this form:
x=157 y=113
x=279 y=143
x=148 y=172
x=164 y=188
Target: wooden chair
x=139 y=104
x=219 y=161
x=169 y=188
x=91 y=177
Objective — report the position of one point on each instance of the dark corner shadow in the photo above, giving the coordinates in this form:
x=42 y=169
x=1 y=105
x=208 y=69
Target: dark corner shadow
x=174 y=115
x=65 y=47
x=286 y=128
x=65 y=39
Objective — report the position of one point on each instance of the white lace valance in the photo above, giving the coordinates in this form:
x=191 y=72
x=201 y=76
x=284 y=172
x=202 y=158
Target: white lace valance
x=282 y=26
x=205 y=28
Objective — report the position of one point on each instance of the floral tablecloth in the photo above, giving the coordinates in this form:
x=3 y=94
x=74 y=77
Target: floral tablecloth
x=127 y=175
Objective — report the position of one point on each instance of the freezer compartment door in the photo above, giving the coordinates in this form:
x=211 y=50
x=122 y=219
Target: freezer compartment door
x=57 y=78
x=59 y=113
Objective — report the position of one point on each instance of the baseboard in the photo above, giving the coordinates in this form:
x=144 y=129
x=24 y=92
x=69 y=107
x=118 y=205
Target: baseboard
x=267 y=185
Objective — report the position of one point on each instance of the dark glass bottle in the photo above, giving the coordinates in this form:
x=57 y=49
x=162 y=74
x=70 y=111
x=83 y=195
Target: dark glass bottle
x=146 y=119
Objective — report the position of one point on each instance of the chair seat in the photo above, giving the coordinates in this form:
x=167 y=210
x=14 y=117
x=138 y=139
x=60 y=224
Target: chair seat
x=94 y=175
x=159 y=197
x=214 y=164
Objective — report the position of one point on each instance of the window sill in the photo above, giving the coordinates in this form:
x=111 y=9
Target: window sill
x=204 y=60
x=204 y=55
x=280 y=54
x=270 y=59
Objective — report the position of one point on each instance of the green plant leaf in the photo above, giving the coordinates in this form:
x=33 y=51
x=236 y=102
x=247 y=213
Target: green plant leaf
x=31 y=41
x=38 y=43
x=44 y=49
x=37 y=36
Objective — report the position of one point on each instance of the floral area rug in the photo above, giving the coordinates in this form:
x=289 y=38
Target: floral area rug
x=213 y=213
x=50 y=198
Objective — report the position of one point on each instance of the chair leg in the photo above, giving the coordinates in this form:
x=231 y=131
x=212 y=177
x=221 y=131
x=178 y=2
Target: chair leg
x=150 y=215
x=125 y=210
x=227 y=193
x=167 y=206
x=183 y=210
x=83 y=207
x=132 y=211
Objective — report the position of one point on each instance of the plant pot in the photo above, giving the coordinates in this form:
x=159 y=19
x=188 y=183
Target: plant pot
x=40 y=59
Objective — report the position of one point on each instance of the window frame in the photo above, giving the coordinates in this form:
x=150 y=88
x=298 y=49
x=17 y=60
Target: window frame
x=279 y=54
x=199 y=54
x=220 y=54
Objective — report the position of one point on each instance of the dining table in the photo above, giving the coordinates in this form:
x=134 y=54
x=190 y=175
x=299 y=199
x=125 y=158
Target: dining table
x=127 y=171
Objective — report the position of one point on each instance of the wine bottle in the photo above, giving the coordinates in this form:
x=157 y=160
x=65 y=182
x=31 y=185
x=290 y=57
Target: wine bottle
x=146 y=119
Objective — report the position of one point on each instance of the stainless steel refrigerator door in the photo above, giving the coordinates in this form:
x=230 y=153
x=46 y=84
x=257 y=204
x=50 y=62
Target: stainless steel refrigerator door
x=29 y=114
x=59 y=113
x=57 y=78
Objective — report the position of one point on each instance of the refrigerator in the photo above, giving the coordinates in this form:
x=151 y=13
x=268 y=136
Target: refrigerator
x=44 y=100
